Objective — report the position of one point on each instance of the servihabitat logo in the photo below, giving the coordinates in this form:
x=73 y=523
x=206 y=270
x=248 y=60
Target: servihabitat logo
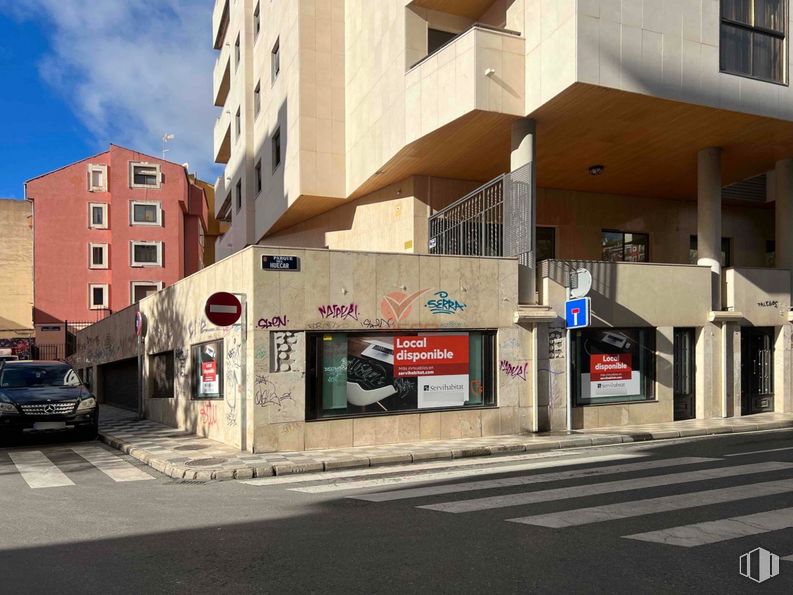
x=759 y=565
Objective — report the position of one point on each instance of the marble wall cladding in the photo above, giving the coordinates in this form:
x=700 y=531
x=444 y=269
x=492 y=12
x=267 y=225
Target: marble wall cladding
x=264 y=404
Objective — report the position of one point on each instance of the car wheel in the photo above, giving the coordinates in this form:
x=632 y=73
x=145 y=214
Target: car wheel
x=88 y=433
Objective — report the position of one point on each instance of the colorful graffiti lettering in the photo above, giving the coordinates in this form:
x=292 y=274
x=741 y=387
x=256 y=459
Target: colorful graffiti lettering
x=339 y=311
x=443 y=304
x=274 y=322
x=514 y=370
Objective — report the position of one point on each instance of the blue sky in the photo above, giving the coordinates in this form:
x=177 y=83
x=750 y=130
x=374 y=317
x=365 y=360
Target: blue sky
x=73 y=84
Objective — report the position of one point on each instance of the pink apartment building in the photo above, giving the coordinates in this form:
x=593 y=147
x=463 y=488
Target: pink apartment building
x=109 y=230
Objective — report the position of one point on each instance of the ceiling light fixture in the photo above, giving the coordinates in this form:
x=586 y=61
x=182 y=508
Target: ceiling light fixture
x=596 y=170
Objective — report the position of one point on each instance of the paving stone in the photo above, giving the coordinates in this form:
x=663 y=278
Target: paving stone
x=384 y=459
x=346 y=463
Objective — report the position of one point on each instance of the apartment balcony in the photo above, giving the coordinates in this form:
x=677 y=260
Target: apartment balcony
x=761 y=296
x=221 y=76
x=222 y=199
x=481 y=69
x=222 y=137
x=220 y=22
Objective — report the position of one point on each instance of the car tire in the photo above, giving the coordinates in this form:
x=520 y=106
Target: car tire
x=88 y=433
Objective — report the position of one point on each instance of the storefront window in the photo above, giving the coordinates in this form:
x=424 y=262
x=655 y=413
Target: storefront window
x=363 y=374
x=613 y=365
x=208 y=370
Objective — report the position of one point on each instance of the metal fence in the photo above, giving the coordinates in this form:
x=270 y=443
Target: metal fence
x=496 y=219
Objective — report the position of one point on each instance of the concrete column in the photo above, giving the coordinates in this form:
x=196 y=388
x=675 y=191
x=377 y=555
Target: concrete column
x=709 y=217
x=783 y=195
x=523 y=146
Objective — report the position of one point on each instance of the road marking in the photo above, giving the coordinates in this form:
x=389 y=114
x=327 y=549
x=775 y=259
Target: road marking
x=604 y=488
x=444 y=475
x=38 y=471
x=497 y=483
x=111 y=465
x=787 y=558
x=624 y=510
x=757 y=452
x=470 y=464
x=721 y=530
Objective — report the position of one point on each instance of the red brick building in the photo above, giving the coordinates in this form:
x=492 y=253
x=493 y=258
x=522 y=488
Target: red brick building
x=109 y=230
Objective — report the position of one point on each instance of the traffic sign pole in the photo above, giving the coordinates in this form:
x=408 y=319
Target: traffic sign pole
x=569 y=375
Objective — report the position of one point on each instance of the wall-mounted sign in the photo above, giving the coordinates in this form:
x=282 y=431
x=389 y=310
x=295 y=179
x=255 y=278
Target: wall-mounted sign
x=272 y=262
x=208 y=362
x=577 y=313
x=223 y=309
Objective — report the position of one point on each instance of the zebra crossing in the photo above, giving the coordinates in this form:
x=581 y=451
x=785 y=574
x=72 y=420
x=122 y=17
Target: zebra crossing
x=39 y=469
x=755 y=480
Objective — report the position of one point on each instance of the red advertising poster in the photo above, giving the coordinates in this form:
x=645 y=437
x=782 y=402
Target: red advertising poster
x=604 y=367
x=430 y=355
x=209 y=371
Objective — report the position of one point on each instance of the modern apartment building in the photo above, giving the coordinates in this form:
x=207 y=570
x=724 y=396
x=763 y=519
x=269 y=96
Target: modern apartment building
x=650 y=143
x=16 y=274
x=109 y=230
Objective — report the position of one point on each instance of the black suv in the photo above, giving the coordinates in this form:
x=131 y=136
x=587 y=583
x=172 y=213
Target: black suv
x=38 y=396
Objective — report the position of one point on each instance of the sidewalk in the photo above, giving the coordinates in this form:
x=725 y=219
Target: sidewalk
x=183 y=455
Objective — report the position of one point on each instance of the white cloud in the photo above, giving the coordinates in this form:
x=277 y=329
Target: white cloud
x=133 y=70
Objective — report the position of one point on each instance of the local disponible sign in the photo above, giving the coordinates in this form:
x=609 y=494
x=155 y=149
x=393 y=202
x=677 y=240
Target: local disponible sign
x=271 y=262
x=440 y=365
x=612 y=375
x=210 y=384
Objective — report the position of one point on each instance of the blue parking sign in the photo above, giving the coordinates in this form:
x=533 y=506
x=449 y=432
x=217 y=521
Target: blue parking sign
x=577 y=313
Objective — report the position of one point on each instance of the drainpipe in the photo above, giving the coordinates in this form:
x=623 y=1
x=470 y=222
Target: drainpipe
x=724 y=392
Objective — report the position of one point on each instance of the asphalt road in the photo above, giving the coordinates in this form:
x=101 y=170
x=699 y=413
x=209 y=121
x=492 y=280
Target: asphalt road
x=661 y=517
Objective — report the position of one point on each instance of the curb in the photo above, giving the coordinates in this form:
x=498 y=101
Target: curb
x=530 y=446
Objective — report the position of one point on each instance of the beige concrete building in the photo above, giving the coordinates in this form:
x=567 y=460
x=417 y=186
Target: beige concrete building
x=16 y=272
x=650 y=143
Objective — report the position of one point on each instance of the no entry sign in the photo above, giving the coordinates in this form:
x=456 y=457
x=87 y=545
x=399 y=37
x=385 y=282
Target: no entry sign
x=223 y=309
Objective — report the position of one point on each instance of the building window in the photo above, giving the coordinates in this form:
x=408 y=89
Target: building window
x=436 y=39
x=276 y=149
x=770 y=253
x=258 y=170
x=98 y=298
x=142 y=289
x=145 y=213
x=753 y=39
x=375 y=374
x=144 y=175
x=97 y=258
x=612 y=365
x=546 y=243
x=97 y=215
x=275 y=60
x=257 y=24
x=625 y=246
x=144 y=254
x=238 y=123
x=161 y=375
x=238 y=195
x=237 y=53
x=208 y=370
x=97 y=178
x=726 y=252
x=257 y=99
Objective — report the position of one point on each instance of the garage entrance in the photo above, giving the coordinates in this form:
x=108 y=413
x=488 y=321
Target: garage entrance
x=119 y=383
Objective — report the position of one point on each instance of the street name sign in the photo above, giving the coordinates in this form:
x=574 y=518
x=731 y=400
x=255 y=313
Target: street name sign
x=272 y=262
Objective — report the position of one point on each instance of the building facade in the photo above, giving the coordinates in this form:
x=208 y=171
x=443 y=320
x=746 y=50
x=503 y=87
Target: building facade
x=16 y=275
x=649 y=144
x=109 y=230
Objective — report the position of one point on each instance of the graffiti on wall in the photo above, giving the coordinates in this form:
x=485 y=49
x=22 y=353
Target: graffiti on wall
x=513 y=370
x=266 y=393
x=274 y=322
x=339 y=311
x=377 y=323
x=233 y=373
x=443 y=304
x=19 y=347
x=208 y=414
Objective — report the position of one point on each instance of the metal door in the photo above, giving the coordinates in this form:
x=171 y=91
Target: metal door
x=684 y=374
x=757 y=370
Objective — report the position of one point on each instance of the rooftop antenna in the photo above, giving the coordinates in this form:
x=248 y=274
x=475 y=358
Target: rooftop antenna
x=165 y=138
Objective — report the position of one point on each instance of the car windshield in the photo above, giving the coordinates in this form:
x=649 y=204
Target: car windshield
x=43 y=375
